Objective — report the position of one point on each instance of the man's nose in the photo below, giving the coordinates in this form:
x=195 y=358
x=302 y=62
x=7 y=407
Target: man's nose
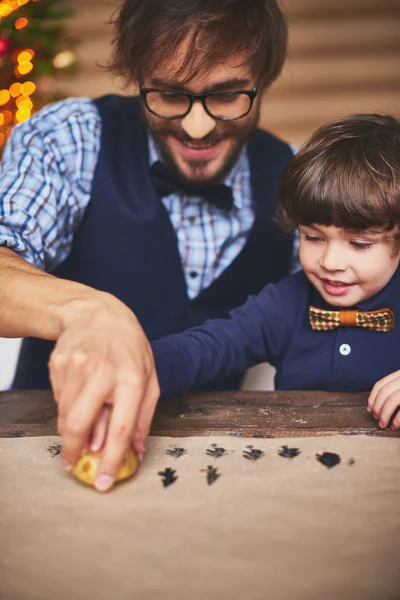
x=197 y=123
x=333 y=258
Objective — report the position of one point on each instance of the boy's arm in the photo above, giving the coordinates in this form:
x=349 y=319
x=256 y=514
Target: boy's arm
x=255 y=332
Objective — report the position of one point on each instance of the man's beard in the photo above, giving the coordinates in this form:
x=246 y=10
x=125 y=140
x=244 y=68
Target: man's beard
x=223 y=130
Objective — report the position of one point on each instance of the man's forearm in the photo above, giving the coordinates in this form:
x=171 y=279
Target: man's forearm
x=34 y=303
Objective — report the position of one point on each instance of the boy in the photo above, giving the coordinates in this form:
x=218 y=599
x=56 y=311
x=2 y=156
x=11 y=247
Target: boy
x=342 y=191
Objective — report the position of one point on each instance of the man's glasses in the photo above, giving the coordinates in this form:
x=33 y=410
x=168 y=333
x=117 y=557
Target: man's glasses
x=225 y=106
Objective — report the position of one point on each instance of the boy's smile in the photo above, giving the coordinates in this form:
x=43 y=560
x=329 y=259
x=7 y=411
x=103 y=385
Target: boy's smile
x=347 y=267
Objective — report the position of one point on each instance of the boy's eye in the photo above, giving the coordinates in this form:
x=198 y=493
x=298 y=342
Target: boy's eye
x=362 y=245
x=311 y=238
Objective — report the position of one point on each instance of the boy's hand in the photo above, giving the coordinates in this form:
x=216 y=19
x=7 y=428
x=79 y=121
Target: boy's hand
x=384 y=399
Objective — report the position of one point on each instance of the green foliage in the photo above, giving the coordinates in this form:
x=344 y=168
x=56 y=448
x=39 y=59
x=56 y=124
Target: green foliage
x=46 y=34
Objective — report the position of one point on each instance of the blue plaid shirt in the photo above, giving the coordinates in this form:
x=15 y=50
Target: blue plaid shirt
x=46 y=178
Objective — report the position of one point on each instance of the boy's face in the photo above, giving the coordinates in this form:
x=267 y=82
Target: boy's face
x=347 y=267
x=202 y=150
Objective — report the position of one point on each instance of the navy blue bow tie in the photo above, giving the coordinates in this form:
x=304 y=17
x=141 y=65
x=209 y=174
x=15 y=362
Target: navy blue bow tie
x=220 y=195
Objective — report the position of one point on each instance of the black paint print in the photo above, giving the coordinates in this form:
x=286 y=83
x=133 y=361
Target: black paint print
x=216 y=451
x=176 y=452
x=252 y=453
x=351 y=462
x=329 y=459
x=54 y=450
x=168 y=476
x=287 y=452
x=212 y=474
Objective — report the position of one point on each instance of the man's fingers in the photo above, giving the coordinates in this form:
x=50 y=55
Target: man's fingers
x=100 y=429
x=76 y=373
x=57 y=372
x=145 y=415
x=85 y=411
x=122 y=424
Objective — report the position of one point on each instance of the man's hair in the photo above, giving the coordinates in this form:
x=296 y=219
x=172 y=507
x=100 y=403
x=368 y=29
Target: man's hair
x=150 y=32
x=347 y=175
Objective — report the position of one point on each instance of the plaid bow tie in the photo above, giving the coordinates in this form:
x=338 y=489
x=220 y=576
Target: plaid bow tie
x=377 y=320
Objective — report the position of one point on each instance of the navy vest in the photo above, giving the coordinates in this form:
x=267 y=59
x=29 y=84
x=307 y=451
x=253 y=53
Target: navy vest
x=126 y=244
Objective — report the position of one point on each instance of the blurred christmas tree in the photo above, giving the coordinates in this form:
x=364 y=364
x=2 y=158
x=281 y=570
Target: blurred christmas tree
x=34 y=47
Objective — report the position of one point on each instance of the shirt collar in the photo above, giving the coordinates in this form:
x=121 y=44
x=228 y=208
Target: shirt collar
x=232 y=180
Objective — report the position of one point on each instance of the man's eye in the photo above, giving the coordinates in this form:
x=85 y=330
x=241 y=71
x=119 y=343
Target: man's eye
x=172 y=97
x=228 y=98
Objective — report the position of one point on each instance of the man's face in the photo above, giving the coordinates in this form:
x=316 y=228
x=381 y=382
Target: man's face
x=200 y=149
x=347 y=267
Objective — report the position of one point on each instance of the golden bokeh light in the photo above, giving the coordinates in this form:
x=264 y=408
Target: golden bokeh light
x=28 y=88
x=25 y=68
x=24 y=103
x=7 y=115
x=15 y=89
x=4 y=97
x=21 y=115
x=5 y=10
x=21 y=23
x=64 y=59
x=25 y=56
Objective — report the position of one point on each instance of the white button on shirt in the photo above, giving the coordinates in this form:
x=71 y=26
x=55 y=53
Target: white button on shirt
x=345 y=349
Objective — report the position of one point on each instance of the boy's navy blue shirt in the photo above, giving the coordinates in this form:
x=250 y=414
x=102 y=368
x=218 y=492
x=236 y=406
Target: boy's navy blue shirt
x=274 y=327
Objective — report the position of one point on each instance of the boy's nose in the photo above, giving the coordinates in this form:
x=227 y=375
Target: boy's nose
x=197 y=123
x=332 y=259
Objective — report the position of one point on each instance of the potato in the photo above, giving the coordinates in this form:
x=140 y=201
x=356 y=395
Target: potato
x=85 y=468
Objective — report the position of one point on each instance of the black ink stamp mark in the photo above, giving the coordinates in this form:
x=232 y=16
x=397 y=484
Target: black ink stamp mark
x=287 y=452
x=168 y=476
x=329 y=459
x=212 y=474
x=54 y=450
x=252 y=453
x=216 y=451
x=176 y=452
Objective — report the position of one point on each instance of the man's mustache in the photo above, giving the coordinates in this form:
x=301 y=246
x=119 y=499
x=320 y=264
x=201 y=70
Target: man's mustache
x=212 y=138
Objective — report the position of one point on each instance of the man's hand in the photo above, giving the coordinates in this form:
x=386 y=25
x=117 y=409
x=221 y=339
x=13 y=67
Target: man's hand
x=104 y=381
x=384 y=400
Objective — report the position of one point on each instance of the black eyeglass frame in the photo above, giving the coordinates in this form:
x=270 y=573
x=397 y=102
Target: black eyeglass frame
x=202 y=98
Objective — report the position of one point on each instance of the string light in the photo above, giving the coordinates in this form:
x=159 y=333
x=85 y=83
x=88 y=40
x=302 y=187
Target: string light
x=21 y=23
x=19 y=97
x=19 y=93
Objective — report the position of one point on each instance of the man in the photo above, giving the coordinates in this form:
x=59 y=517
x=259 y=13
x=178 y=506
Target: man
x=115 y=212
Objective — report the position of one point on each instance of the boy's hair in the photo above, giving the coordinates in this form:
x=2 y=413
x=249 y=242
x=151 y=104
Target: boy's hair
x=346 y=175
x=150 y=32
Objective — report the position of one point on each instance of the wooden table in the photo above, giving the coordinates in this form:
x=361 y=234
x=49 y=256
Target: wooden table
x=242 y=414
x=268 y=529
